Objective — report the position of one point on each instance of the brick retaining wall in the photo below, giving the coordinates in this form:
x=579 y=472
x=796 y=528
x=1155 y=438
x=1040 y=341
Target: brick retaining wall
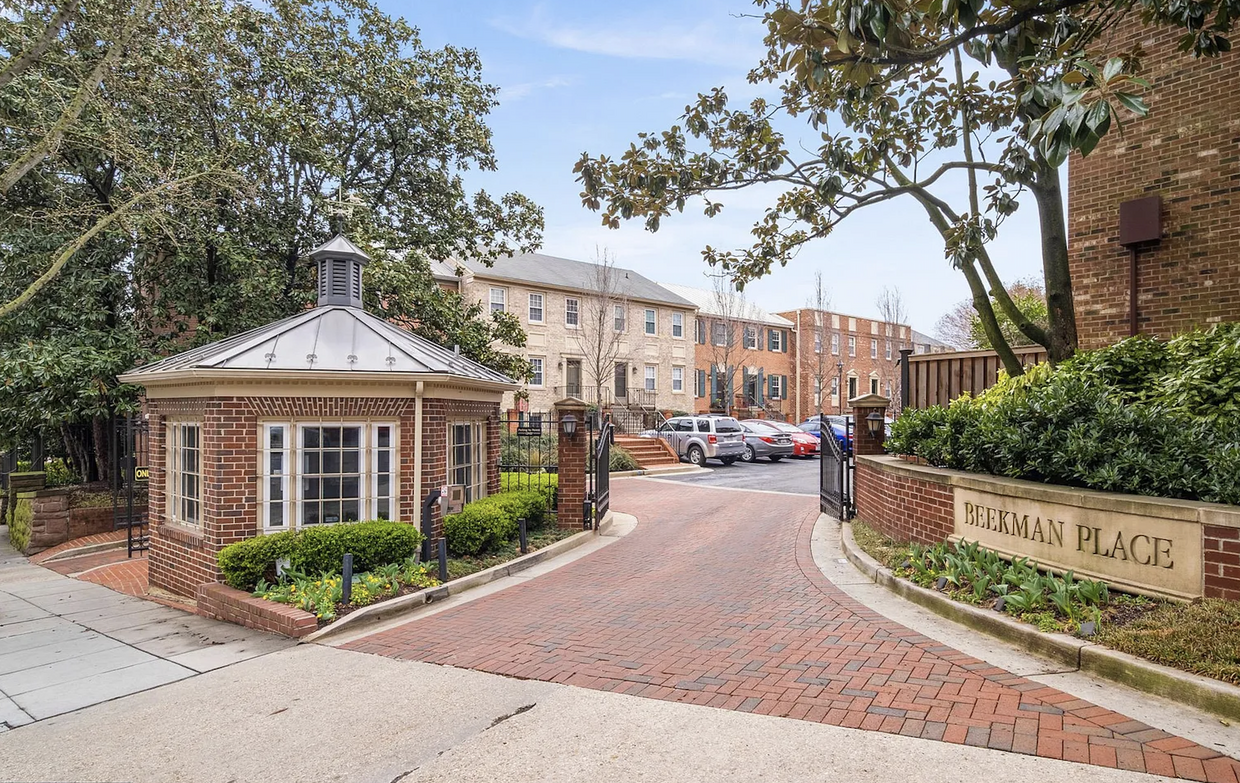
x=1222 y=561
x=903 y=507
x=221 y=602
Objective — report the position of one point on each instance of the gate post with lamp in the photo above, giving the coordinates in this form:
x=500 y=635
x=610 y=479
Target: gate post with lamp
x=870 y=413
x=573 y=453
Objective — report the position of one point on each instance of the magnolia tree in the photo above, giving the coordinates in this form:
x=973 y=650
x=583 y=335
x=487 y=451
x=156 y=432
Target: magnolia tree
x=902 y=104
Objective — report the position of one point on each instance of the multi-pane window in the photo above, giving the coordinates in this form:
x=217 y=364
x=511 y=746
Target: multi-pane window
x=888 y=350
x=536 y=375
x=718 y=333
x=835 y=343
x=499 y=300
x=536 y=308
x=678 y=379
x=678 y=324
x=775 y=340
x=338 y=472
x=817 y=342
x=873 y=386
x=184 y=450
x=652 y=324
x=835 y=387
x=852 y=345
x=699 y=328
x=852 y=387
x=572 y=311
x=873 y=349
x=619 y=316
x=751 y=337
x=465 y=454
x=777 y=387
x=650 y=377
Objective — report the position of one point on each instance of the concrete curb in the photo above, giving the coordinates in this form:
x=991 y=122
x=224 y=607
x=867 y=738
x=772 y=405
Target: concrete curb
x=386 y=610
x=1192 y=690
x=82 y=551
x=660 y=471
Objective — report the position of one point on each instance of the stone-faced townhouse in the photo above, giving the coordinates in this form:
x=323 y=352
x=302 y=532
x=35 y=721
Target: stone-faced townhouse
x=836 y=352
x=642 y=353
x=732 y=332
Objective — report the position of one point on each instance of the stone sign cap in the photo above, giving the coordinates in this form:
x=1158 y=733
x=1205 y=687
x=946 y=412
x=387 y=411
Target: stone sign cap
x=571 y=403
x=870 y=401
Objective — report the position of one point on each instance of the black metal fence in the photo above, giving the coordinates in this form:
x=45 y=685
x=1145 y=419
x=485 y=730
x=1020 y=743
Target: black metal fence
x=600 y=475
x=835 y=471
x=130 y=451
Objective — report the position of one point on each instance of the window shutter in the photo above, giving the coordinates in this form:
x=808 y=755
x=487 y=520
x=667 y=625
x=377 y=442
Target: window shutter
x=760 y=386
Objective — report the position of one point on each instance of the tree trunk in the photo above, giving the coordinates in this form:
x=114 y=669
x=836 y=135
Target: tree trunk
x=99 y=430
x=990 y=324
x=1055 y=270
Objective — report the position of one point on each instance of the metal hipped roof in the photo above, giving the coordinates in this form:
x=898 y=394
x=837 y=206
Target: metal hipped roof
x=325 y=339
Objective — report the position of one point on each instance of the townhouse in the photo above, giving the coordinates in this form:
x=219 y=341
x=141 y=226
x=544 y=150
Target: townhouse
x=743 y=355
x=603 y=334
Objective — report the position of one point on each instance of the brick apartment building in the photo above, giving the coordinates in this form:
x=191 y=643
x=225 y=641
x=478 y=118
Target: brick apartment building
x=1187 y=152
x=833 y=349
x=731 y=331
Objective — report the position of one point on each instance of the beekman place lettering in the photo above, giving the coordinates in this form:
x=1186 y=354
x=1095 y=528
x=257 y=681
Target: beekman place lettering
x=1140 y=549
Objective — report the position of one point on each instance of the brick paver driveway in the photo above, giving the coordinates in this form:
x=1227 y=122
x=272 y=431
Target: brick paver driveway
x=714 y=599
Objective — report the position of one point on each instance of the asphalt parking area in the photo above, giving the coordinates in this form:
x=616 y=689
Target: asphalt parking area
x=797 y=475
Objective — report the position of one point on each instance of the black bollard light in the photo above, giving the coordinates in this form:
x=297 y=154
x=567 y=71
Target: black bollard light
x=443 y=560
x=525 y=544
x=346 y=579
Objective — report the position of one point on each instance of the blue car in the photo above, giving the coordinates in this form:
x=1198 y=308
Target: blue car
x=838 y=428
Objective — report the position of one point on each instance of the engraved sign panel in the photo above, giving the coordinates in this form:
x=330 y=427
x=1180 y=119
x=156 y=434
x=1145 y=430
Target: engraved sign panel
x=1148 y=554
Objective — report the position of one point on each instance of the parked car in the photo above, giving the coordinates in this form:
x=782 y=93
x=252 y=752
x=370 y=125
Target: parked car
x=803 y=443
x=839 y=427
x=699 y=438
x=763 y=440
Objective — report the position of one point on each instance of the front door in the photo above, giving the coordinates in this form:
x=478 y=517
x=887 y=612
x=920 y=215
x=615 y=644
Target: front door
x=622 y=380
x=573 y=378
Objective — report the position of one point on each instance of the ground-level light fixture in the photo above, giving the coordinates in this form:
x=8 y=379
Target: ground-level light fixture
x=568 y=423
x=874 y=422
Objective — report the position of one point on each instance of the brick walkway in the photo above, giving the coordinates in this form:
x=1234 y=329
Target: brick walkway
x=714 y=599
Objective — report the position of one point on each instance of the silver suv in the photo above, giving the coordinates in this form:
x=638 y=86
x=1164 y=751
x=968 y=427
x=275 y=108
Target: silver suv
x=699 y=438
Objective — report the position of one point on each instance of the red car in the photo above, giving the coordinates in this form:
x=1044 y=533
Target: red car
x=803 y=444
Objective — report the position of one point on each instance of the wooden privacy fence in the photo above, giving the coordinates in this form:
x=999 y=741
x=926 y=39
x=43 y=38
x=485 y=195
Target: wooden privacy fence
x=938 y=378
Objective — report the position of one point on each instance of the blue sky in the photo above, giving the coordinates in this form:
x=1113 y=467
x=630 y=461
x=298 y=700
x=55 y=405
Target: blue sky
x=586 y=77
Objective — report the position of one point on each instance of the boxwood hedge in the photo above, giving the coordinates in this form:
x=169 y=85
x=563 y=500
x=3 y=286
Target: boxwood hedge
x=1142 y=417
x=319 y=550
x=490 y=522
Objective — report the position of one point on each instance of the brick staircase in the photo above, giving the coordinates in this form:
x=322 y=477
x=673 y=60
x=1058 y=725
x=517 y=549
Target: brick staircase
x=649 y=452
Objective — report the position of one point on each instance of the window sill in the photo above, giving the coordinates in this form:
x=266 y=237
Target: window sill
x=181 y=533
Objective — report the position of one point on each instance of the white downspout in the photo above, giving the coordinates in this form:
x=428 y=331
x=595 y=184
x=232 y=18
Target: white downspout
x=417 y=452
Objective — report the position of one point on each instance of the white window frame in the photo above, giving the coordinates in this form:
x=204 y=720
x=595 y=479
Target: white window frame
x=817 y=342
x=620 y=318
x=501 y=300
x=538 y=377
x=651 y=321
x=574 y=311
x=835 y=343
x=718 y=333
x=542 y=311
x=873 y=349
x=778 y=335
x=678 y=326
x=289 y=478
x=651 y=378
x=477 y=487
x=678 y=379
x=751 y=337
x=852 y=345
x=873 y=384
x=777 y=383
x=888 y=350
x=177 y=510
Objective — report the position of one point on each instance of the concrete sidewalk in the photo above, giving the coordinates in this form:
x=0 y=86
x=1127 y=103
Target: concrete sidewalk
x=315 y=713
x=67 y=644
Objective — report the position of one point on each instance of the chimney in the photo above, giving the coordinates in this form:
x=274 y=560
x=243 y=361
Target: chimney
x=340 y=265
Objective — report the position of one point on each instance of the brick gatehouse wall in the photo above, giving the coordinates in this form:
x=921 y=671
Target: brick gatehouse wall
x=182 y=558
x=902 y=505
x=1187 y=150
x=1221 y=549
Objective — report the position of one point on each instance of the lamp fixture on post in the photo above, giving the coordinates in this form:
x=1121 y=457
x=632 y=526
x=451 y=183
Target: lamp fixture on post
x=568 y=423
x=874 y=422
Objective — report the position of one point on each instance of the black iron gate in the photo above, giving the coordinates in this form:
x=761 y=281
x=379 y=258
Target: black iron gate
x=130 y=450
x=600 y=476
x=527 y=449
x=835 y=471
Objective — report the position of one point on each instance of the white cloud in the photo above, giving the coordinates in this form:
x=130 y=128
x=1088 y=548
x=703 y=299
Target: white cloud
x=706 y=42
x=515 y=92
